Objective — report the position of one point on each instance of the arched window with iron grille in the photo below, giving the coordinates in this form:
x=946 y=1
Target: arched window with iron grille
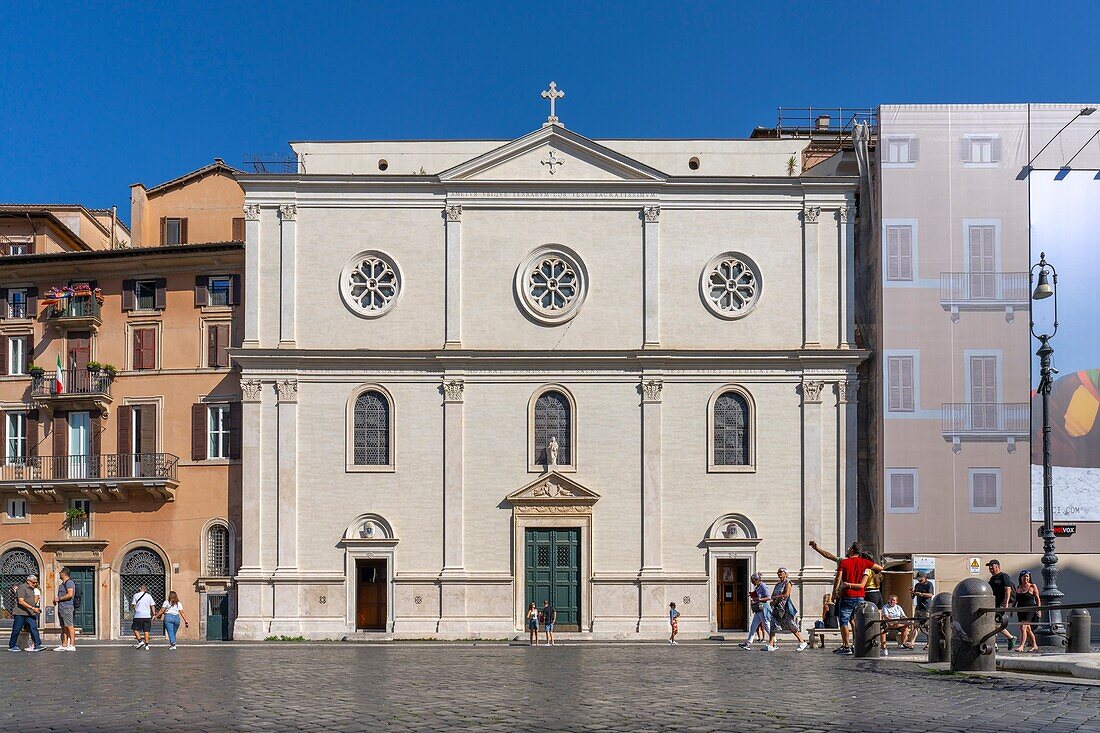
x=731 y=430
x=217 y=552
x=371 y=423
x=141 y=566
x=15 y=565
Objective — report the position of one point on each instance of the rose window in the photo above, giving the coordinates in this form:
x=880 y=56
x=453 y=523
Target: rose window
x=370 y=284
x=551 y=284
x=730 y=285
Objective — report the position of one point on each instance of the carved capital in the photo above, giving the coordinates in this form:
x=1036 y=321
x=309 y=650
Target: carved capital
x=287 y=390
x=452 y=390
x=846 y=391
x=811 y=392
x=288 y=212
x=454 y=212
x=651 y=390
x=652 y=213
x=810 y=214
x=250 y=390
x=252 y=212
x=844 y=213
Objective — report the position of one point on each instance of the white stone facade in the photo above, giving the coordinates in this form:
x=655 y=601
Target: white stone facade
x=460 y=357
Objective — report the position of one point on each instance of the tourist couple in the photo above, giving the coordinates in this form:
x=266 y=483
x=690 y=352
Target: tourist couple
x=544 y=618
x=773 y=611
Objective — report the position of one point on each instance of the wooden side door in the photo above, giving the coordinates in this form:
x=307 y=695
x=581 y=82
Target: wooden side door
x=732 y=591
x=370 y=602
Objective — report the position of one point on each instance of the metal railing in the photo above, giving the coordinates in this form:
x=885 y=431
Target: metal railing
x=73 y=382
x=17 y=309
x=986 y=418
x=823 y=121
x=73 y=306
x=82 y=468
x=984 y=287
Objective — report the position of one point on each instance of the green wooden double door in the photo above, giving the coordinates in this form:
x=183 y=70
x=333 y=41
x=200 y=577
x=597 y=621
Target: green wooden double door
x=552 y=571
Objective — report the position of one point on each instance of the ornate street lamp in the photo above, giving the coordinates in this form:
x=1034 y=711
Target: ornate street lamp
x=1046 y=287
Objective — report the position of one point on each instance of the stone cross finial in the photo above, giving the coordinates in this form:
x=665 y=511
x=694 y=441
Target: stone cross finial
x=553 y=94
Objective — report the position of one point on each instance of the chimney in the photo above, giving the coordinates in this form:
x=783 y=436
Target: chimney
x=822 y=122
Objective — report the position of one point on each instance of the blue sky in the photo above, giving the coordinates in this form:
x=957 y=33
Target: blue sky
x=98 y=96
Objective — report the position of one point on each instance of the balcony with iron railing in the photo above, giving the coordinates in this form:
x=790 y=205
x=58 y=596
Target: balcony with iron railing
x=78 y=388
x=984 y=291
x=986 y=421
x=74 y=311
x=107 y=477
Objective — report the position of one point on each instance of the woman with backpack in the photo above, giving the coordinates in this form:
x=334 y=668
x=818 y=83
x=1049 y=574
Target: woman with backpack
x=784 y=612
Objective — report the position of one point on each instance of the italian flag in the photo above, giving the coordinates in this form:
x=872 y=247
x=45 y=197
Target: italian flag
x=59 y=378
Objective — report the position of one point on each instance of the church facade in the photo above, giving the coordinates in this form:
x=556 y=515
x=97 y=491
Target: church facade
x=610 y=374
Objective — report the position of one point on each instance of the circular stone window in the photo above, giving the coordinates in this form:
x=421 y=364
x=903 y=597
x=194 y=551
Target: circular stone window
x=730 y=285
x=370 y=284
x=551 y=284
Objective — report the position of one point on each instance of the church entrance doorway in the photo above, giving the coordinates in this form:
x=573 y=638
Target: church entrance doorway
x=370 y=596
x=552 y=572
x=733 y=591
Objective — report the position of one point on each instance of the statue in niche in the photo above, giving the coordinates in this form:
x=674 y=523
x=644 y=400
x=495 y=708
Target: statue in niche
x=552 y=453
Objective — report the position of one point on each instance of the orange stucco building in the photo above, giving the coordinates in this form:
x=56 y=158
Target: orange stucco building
x=120 y=410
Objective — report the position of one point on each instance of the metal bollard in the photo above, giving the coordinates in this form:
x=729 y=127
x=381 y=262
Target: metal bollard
x=968 y=652
x=1079 y=631
x=939 y=629
x=865 y=642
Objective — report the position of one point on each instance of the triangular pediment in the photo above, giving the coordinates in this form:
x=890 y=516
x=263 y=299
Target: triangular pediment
x=553 y=488
x=552 y=154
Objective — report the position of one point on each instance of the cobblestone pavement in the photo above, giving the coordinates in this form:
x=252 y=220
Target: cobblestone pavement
x=407 y=687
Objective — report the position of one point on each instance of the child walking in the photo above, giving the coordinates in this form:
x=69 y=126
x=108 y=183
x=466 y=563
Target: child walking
x=674 y=622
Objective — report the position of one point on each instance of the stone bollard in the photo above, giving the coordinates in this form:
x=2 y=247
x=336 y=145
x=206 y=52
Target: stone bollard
x=939 y=629
x=968 y=652
x=865 y=638
x=1079 y=631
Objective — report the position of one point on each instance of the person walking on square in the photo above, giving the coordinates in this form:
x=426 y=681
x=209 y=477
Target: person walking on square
x=1003 y=590
x=143 y=605
x=172 y=611
x=549 y=618
x=533 y=624
x=1027 y=596
x=784 y=613
x=674 y=622
x=66 y=610
x=25 y=614
x=761 y=610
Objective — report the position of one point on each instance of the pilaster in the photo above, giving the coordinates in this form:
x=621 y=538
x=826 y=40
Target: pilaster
x=651 y=474
x=253 y=606
x=453 y=261
x=287 y=393
x=846 y=451
x=252 y=275
x=846 y=260
x=288 y=232
x=453 y=585
x=811 y=472
x=811 y=319
x=651 y=216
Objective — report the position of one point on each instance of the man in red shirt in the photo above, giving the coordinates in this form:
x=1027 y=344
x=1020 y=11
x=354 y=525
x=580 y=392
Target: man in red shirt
x=848 y=586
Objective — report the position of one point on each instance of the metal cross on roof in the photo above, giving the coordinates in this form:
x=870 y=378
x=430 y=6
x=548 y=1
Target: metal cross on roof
x=553 y=94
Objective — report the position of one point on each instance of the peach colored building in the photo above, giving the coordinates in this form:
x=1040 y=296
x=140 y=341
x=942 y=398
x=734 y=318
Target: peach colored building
x=123 y=464
x=205 y=205
x=42 y=228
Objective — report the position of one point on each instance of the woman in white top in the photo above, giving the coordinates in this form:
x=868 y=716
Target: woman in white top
x=172 y=611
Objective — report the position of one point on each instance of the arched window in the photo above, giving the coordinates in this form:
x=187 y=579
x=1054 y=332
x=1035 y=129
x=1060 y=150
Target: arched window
x=730 y=430
x=15 y=566
x=553 y=418
x=371 y=428
x=217 y=552
x=141 y=566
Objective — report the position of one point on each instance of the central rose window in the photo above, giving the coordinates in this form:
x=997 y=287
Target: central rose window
x=730 y=285
x=370 y=284
x=551 y=284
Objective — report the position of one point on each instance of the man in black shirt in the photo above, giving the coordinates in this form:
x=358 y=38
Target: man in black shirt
x=922 y=594
x=549 y=618
x=1003 y=590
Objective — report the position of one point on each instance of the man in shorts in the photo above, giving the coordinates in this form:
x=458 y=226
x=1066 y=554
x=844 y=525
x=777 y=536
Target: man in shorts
x=66 y=610
x=892 y=613
x=1003 y=590
x=143 y=605
x=549 y=616
x=848 y=585
x=923 y=592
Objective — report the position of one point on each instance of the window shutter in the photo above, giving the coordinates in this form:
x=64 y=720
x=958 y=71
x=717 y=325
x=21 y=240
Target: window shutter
x=995 y=150
x=125 y=420
x=3 y=355
x=222 y=345
x=905 y=253
x=198 y=432
x=183 y=231
x=914 y=149
x=212 y=345
x=138 y=335
x=202 y=285
x=95 y=425
x=32 y=302
x=906 y=396
x=964 y=149
x=234 y=429
x=893 y=254
x=29 y=352
x=32 y=433
x=129 y=297
x=148 y=438
x=235 y=290
x=161 y=298
x=149 y=349
x=238 y=229
x=164 y=230
x=4 y=303
x=60 y=436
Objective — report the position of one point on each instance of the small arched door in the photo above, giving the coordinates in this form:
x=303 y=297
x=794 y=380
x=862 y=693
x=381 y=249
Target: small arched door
x=15 y=565
x=140 y=566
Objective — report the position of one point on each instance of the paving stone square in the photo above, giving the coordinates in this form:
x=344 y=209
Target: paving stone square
x=496 y=687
